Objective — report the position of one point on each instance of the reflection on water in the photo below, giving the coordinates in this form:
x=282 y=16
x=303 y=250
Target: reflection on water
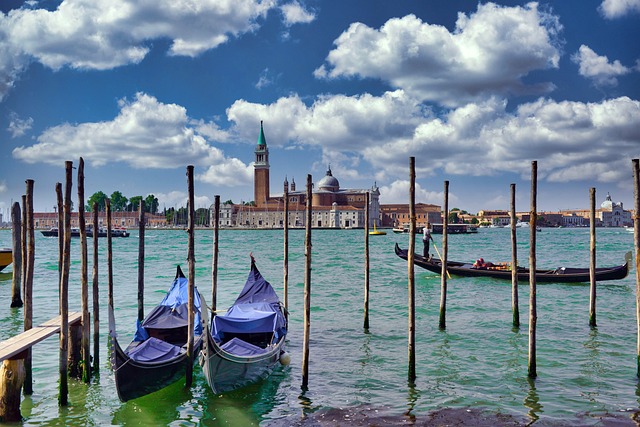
x=532 y=401
x=413 y=396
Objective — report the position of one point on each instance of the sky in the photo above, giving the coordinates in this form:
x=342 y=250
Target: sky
x=474 y=91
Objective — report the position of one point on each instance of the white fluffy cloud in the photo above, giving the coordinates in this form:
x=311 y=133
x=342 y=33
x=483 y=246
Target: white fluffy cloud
x=103 y=34
x=145 y=134
x=480 y=139
x=617 y=8
x=598 y=68
x=488 y=53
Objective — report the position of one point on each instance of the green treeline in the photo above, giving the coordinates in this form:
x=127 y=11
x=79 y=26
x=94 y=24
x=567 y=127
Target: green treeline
x=120 y=203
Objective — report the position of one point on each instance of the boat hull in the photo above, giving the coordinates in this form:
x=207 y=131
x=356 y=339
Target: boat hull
x=76 y=233
x=226 y=372
x=136 y=379
x=558 y=275
x=6 y=258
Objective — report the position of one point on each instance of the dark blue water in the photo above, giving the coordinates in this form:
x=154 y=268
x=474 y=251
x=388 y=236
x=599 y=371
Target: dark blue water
x=478 y=361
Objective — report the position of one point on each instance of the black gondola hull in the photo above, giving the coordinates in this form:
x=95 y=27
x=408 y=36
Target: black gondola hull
x=558 y=275
x=135 y=379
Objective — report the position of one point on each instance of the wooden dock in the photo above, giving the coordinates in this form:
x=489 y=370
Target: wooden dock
x=18 y=344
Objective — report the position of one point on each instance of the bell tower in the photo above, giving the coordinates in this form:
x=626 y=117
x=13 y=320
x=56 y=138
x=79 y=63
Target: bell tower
x=261 y=171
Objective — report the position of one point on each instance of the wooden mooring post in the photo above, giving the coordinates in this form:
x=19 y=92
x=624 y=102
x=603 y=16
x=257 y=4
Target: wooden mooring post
x=307 y=288
x=85 y=367
x=96 y=296
x=16 y=245
x=214 y=267
x=30 y=258
x=592 y=259
x=515 y=305
x=411 y=303
x=64 y=290
x=533 y=315
x=141 y=261
x=636 y=244
x=366 y=263
x=285 y=261
x=192 y=277
x=442 y=324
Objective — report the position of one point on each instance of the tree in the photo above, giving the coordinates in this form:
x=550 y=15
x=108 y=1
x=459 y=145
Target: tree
x=99 y=198
x=453 y=217
x=118 y=202
x=134 y=203
x=228 y=202
x=151 y=204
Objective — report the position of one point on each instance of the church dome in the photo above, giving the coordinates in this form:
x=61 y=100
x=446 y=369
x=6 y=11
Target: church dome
x=329 y=182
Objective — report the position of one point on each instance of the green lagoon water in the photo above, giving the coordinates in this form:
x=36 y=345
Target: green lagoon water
x=479 y=361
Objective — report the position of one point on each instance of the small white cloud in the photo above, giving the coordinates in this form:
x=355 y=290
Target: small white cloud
x=611 y=9
x=295 y=13
x=17 y=126
x=264 y=79
x=598 y=68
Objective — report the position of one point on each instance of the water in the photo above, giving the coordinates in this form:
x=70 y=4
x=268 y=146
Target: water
x=479 y=361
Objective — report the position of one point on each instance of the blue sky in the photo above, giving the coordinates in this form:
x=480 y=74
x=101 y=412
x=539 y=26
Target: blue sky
x=475 y=91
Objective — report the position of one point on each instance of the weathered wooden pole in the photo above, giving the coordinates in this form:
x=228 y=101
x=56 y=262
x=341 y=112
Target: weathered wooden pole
x=592 y=259
x=285 y=262
x=24 y=248
x=515 y=305
x=95 y=293
x=16 y=249
x=307 y=287
x=111 y=311
x=192 y=273
x=12 y=371
x=636 y=239
x=411 y=272
x=28 y=283
x=12 y=375
x=442 y=324
x=84 y=275
x=141 y=225
x=366 y=263
x=533 y=315
x=60 y=204
x=64 y=290
x=214 y=269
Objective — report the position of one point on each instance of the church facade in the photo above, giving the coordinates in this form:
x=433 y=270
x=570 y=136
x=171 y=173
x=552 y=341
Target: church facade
x=331 y=205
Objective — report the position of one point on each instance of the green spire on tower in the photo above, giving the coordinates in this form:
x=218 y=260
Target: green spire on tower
x=261 y=138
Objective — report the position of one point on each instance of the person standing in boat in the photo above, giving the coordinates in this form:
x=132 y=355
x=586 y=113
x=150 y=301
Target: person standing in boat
x=426 y=236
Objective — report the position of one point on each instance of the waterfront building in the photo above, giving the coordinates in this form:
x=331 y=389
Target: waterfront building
x=47 y=220
x=332 y=206
x=397 y=215
x=610 y=214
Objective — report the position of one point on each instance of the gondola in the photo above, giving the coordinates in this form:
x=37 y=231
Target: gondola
x=244 y=344
x=157 y=356
x=556 y=275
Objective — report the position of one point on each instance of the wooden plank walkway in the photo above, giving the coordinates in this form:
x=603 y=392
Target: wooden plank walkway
x=21 y=342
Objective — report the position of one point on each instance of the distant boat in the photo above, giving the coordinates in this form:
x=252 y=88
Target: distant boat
x=375 y=231
x=556 y=275
x=454 y=228
x=244 y=344
x=102 y=232
x=157 y=356
x=6 y=257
